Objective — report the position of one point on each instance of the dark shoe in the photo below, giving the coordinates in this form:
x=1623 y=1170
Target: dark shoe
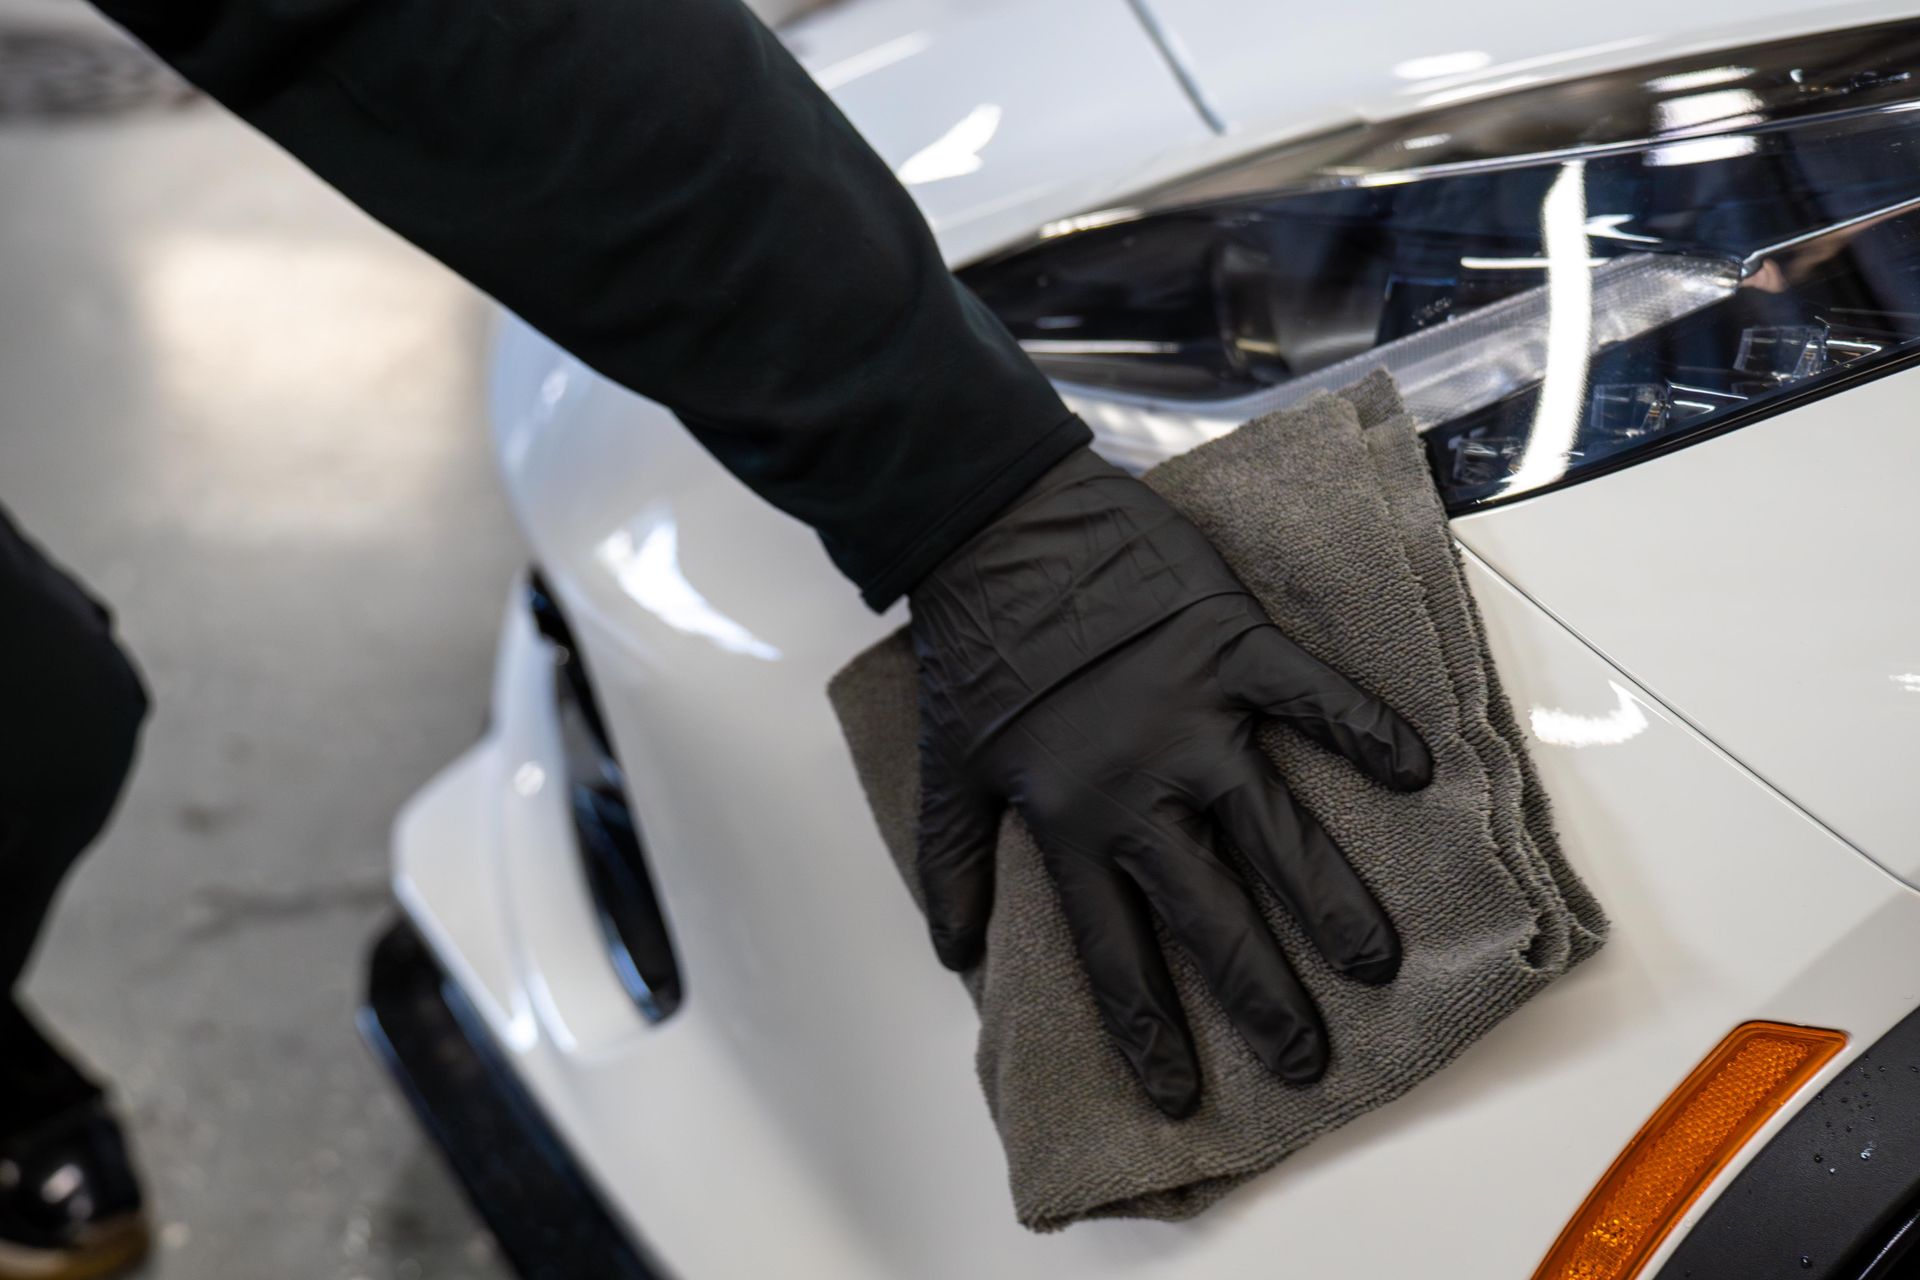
x=70 y=1206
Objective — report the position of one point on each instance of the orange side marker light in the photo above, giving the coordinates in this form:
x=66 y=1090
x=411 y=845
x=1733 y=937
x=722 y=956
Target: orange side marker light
x=1697 y=1130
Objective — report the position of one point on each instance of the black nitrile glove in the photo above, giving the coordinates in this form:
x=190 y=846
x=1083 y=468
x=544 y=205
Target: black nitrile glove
x=1090 y=659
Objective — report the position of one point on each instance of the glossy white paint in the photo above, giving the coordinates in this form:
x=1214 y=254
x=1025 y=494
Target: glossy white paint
x=1093 y=113
x=811 y=1111
x=989 y=110
x=822 y=1064
x=1281 y=69
x=1763 y=583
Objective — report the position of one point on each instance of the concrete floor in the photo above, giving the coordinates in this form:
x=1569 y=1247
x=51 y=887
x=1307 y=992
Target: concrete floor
x=252 y=420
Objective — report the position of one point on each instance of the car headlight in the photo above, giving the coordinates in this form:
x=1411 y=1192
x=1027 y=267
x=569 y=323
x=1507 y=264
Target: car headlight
x=1562 y=280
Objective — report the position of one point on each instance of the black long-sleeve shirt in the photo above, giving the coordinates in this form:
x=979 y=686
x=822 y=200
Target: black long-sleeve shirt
x=661 y=189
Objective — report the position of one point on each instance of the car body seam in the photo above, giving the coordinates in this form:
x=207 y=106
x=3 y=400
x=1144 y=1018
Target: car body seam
x=1646 y=690
x=1180 y=63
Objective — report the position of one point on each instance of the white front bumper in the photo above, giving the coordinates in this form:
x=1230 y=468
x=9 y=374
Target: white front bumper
x=811 y=1110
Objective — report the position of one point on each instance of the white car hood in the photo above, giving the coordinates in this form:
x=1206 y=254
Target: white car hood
x=1002 y=115
x=1272 y=70
x=998 y=114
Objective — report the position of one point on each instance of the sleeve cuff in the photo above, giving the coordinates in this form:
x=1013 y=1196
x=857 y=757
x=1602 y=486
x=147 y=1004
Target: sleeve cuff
x=960 y=522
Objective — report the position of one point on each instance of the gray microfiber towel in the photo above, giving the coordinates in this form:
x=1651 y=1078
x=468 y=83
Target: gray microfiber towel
x=1327 y=512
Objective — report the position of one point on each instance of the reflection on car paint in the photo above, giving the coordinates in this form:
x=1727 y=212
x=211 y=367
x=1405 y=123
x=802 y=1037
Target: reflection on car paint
x=1559 y=728
x=955 y=153
x=647 y=568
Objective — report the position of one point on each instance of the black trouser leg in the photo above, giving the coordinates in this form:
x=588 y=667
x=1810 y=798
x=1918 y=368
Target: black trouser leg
x=70 y=710
x=38 y=1080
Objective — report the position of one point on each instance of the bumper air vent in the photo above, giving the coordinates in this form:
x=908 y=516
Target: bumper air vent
x=631 y=920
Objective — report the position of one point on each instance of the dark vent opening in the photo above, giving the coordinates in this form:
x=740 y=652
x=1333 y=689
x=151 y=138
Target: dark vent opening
x=634 y=925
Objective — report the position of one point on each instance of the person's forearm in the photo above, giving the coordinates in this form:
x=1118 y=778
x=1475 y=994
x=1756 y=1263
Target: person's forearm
x=657 y=186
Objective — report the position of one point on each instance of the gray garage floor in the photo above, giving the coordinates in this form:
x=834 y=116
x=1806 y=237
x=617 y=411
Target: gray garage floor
x=252 y=420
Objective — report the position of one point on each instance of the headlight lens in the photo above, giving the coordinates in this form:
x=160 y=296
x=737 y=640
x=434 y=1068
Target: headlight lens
x=1548 y=316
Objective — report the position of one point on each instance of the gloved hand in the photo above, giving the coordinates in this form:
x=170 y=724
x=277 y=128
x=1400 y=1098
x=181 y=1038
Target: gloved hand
x=1090 y=659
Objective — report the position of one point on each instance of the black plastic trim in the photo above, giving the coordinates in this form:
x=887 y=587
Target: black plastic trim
x=549 y=1221
x=627 y=906
x=1835 y=1194
x=1895 y=1257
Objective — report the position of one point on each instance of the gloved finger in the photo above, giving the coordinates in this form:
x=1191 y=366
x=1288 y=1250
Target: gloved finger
x=1264 y=670
x=958 y=826
x=1113 y=932
x=1207 y=910
x=1300 y=861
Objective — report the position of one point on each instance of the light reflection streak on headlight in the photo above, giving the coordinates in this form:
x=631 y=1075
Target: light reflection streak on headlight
x=1563 y=380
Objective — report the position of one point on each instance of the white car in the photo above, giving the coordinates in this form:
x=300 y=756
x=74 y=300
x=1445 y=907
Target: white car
x=1649 y=274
